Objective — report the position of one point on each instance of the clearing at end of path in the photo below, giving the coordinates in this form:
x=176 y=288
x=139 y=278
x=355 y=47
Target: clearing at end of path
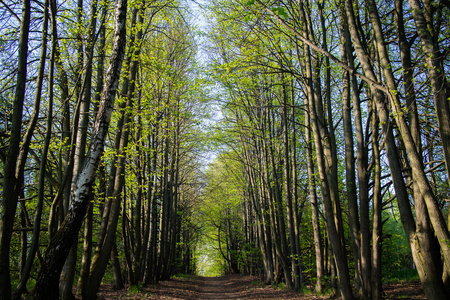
x=235 y=287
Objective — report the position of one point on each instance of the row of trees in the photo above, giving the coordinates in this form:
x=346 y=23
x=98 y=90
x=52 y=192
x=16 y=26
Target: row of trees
x=100 y=139
x=335 y=111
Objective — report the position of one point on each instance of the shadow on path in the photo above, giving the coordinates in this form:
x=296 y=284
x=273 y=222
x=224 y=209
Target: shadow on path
x=233 y=287
x=220 y=288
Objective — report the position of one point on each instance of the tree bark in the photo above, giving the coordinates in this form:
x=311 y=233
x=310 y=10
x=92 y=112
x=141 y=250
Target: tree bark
x=432 y=288
x=436 y=70
x=420 y=178
x=47 y=282
x=314 y=208
x=88 y=227
x=11 y=189
x=37 y=220
x=377 y=287
x=288 y=192
x=338 y=250
x=350 y=174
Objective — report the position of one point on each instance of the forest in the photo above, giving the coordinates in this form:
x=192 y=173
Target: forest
x=305 y=142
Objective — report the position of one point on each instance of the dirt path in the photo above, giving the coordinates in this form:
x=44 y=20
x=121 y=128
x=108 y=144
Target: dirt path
x=238 y=287
x=219 y=288
x=235 y=287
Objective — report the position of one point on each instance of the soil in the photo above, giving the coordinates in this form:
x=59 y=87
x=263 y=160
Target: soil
x=237 y=287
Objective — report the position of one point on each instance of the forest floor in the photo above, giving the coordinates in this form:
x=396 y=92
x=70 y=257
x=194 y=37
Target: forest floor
x=237 y=287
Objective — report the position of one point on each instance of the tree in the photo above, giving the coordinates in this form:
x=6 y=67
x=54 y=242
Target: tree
x=60 y=244
x=12 y=180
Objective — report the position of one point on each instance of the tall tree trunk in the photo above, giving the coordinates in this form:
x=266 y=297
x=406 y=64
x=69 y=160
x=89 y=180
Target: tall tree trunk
x=330 y=211
x=42 y=169
x=423 y=260
x=138 y=251
x=11 y=189
x=102 y=253
x=68 y=271
x=314 y=208
x=66 y=156
x=350 y=174
x=298 y=208
x=288 y=192
x=436 y=70
x=88 y=233
x=57 y=251
x=152 y=209
x=377 y=288
x=116 y=270
x=87 y=252
x=282 y=248
x=420 y=178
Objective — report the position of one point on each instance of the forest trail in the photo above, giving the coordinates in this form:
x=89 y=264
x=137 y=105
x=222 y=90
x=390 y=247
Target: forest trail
x=220 y=288
x=199 y=287
x=234 y=287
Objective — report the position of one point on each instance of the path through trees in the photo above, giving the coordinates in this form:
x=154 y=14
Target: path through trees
x=303 y=142
x=236 y=287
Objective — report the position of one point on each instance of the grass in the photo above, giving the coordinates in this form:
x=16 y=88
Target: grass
x=135 y=289
x=304 y=290
x=282 y=286
x=257 y=283
x=185 y=276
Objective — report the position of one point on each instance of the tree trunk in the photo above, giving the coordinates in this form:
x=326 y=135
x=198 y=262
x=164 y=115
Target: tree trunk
x=117 y=272
x=87 y=252
x=350 y=173
x=432 y=288
x=152 y=209
x=282 y=249
x=88 y=234
x=102 y=254
x=288 y=193
x=314 y=208
x=25 y=273
x=68 y=271
x=377 y=287
x=10 y=183
x=420 y=178
x=436 y=70
x=47 y=282
x=334 y=235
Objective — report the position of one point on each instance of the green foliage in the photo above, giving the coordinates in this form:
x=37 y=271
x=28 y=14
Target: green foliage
x=402 y=275
x=280 y=11
x=208 y=259
x=185 y=276
x=395 y=247
x=135 y=289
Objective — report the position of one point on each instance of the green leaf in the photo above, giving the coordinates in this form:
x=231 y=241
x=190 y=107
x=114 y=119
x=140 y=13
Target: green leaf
x=280 y=11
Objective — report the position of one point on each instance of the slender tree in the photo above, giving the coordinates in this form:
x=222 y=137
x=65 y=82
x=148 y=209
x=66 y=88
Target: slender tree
x=60 y=244
x=11 y=181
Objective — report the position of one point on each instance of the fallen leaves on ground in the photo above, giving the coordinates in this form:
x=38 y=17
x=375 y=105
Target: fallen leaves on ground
x=236 y=287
